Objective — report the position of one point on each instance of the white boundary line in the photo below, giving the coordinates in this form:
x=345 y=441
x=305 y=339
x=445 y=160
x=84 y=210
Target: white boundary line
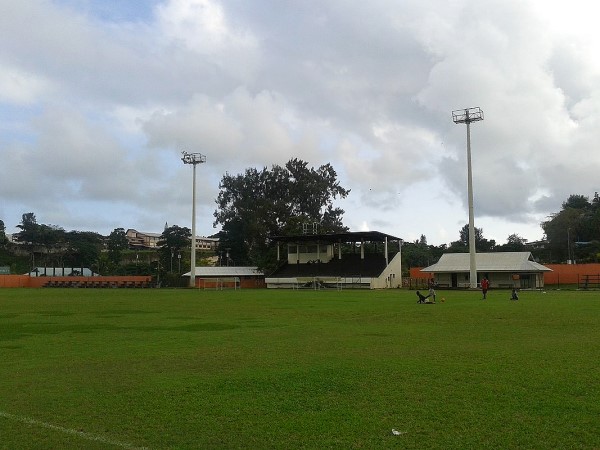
x=82 y=434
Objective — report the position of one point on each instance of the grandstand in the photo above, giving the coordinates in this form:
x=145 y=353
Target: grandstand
x=337 y=260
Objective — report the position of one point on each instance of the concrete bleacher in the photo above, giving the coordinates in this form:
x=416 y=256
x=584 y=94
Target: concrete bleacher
x=96 y=282
x=349 y=266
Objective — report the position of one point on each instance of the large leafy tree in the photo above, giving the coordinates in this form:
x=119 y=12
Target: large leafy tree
x=29 y=236
x=47 y=241
x=481 y=244
x=84 y=248
x=420 y=254
x=173 y=241
x=577 y=201
x=259 y=203
x=574 y=231
x=514 y=243
x=29 y=227
x=117 y=244
x=3 y=239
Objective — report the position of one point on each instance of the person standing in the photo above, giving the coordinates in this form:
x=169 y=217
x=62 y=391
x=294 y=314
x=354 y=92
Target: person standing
x=432 y=289
x=485 y=285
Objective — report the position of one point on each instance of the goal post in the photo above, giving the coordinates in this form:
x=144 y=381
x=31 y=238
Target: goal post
x=221 y=283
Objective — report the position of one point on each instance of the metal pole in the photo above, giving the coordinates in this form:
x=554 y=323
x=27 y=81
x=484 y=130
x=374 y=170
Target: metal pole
x=472 y=250
x=193 y=252
x=467 y=116
x=194 y=159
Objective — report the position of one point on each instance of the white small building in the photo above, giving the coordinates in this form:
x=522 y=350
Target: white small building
x=219 y=277
x=502 y=269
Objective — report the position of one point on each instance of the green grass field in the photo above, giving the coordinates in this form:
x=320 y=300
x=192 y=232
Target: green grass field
x=258 y=369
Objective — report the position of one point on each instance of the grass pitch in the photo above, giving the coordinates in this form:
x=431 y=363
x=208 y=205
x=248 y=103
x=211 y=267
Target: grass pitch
x=187 y=369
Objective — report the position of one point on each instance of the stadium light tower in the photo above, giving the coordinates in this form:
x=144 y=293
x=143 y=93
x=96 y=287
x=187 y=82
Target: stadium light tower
x=467 y=116
x=194 y=159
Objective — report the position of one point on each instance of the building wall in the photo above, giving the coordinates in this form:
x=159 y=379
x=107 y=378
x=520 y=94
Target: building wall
x=391 y=276
x=503 y=280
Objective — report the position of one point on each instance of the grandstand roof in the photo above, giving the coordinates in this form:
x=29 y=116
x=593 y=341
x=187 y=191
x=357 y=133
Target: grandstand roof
x=225 y=271
x=355 y=236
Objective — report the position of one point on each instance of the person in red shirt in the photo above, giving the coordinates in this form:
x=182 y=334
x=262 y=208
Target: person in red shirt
x=485 y=285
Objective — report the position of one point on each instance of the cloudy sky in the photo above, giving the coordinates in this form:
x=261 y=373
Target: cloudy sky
x=99 y=97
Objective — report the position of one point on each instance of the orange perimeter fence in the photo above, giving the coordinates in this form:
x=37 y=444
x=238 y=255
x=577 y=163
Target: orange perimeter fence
x=8 y=281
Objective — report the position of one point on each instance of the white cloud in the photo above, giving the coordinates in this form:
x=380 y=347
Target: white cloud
x=21 y=88
x=96 y=109
x=201 y=26
x=240 y=130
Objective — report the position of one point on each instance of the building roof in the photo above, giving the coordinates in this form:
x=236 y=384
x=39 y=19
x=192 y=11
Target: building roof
x=487 y=262
x=208 y=271
x=350 y=236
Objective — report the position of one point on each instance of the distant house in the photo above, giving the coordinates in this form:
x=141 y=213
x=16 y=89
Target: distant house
x=144 y=240
x=228 y=277
x=502 y=269
x=140 y=239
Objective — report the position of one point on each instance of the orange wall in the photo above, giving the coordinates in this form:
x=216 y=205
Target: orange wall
x=36 y=282
x=415 y=272
x=14 y=280
x=569 y=273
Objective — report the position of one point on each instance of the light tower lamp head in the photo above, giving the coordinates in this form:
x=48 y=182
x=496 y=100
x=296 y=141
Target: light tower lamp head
x=467 y=115
x=192 y=158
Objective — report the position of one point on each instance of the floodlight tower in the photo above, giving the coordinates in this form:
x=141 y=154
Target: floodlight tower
x=467 y=116
x=194 y=159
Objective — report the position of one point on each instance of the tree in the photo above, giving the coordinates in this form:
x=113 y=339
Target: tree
x=3 y=238
x=117 y=243
x=514 y=243
x=258 y=204
x=576 y=201
x=29 y=229
x=571 y=231
x=84 y=248
x=462 y=245
x=49 y=241
x=416 y=254
x=173 y=241
x=29 y=234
